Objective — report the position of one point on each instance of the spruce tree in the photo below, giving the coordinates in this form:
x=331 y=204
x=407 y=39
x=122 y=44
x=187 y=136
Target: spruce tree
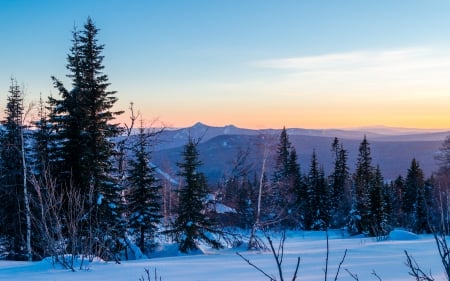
x=192 y=224
x=286 y=181
x=82 y=120
x=414 y=182
x=296 y=206
x=43 y=145
x=143 y=197
x=396 y=194
x=13 y=225
x=340 y=184
x=362 y=180
x=415 y=199
x=283 y=157
x=377 y=206
x=318 y=197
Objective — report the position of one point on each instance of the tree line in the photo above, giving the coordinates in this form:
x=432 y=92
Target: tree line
x=74 y=183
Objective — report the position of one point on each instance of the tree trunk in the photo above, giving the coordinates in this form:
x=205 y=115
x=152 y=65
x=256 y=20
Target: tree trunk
x=26 y=199
x=253 y=243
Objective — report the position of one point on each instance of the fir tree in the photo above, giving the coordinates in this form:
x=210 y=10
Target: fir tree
x=11 y=171
x=143 y=197
x=82 y=120
x=318 y=197
x=286 y=181
x=283 y=157
x=13 y=224
x=192 y=224
x=340 y=184
x=377 y=206
x=362 y=180
x=43 y=145
x=396 y=194
x=415 y=199
x=296 y=206
x=414 y=183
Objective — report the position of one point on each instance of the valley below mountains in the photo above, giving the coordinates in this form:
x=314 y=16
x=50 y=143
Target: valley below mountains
x=219 y=147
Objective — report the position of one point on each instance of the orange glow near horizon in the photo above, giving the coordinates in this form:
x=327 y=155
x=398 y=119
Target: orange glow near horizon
x=324 y=119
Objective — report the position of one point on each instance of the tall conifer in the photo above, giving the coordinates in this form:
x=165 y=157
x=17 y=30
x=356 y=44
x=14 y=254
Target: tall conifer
x=143 y=198
x=12 y=173
x=192 y=224
x=83 y=120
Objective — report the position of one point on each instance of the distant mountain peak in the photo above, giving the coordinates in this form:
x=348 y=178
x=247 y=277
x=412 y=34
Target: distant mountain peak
x=199 y=125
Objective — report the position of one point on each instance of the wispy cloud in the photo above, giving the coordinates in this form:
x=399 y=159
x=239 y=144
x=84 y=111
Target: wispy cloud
x=403 y=71
x=394 y=60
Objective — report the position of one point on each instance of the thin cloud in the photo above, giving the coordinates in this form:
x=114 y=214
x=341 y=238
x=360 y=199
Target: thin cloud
x=406 y=59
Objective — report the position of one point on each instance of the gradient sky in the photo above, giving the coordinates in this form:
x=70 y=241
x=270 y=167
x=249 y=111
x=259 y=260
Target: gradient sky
x=255 y=64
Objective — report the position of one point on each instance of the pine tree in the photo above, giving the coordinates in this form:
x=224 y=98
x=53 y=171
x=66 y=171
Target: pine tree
x=413 y=184
x=318 y=197
x=13 y=225
x=340 y=184
x=82 y=120
x=286 y=181
x=143 y=198
x=193 y=224
x=296 y=206
x=397 y=189
x=362 y=180
x=377 y=206
x=416 y=199
x=283 y=157
x=43 y=145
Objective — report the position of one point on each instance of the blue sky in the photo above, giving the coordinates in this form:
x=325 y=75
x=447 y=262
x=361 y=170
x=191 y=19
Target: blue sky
x=313 y=64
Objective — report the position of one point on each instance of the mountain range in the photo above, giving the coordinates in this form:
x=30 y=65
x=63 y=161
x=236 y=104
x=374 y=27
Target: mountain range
x=219 y=147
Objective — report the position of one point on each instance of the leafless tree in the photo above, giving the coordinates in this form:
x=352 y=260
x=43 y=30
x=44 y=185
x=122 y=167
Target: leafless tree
x=58 y=221
x=278 y=255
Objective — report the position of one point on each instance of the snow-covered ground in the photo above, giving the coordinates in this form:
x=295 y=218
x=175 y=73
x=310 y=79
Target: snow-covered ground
x=364 y=256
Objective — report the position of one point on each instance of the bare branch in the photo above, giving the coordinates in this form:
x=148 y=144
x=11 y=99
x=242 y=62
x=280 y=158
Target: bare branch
x=276 y=255
x=256 y=267
x=376 y=275
x=296 y=269
x=340 y=264
x=416 y=271
x=353 y=275
x=327 y=257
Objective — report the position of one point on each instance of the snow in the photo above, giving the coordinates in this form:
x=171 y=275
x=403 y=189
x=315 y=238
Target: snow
x=402 y=235
x=364 y=256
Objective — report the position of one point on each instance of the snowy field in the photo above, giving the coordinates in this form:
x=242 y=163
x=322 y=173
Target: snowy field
x=364 y=256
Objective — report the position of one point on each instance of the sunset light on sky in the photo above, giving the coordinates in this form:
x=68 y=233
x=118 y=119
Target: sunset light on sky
x=250 y=63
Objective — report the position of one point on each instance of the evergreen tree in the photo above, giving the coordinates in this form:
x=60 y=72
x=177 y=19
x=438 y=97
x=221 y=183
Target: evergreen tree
x=362 y=180
x=286 y=181
x=421 y=217
x=297 y=206
x=414 y=183
x=319 y=197
x=13 y=225
x=83 y=120
x=396 y=194
x=283 y=157
x=377 y=206
x=143 y=198
x=193 y=224
x=43 y=145
x=340 y=184
x=416 y=199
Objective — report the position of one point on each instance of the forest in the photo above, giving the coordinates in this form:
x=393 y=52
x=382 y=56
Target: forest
x=74 y=182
